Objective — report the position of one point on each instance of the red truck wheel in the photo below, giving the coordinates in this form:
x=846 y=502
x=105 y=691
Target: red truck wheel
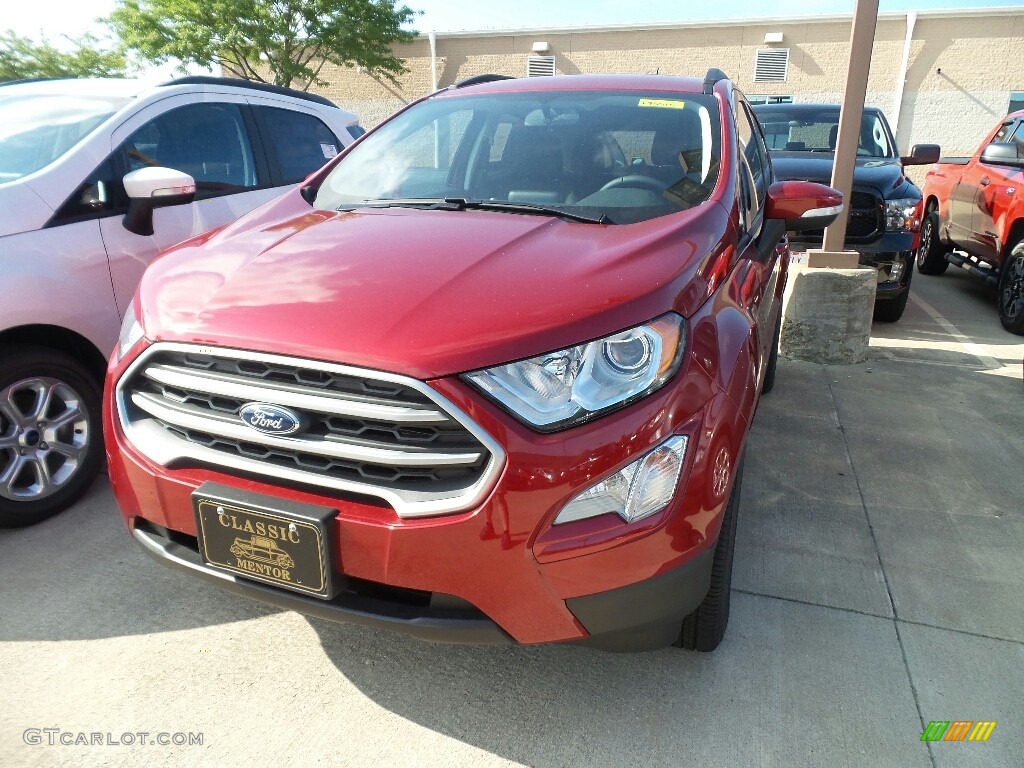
x=1011 y=291
x=931 y=254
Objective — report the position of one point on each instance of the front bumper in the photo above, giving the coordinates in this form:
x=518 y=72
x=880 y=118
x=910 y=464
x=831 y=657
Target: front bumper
x=499 y=572
x=642 y=616
x=883 y=254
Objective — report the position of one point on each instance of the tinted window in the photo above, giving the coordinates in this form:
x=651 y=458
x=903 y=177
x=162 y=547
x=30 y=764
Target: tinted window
x=207 y=141
x=1018 y=139
x=1002 y=133
x=300 y=143
x=626 y=156
x=102 y=193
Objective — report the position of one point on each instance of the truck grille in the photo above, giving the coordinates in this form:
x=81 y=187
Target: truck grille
x=866 y=222
x=363 y=431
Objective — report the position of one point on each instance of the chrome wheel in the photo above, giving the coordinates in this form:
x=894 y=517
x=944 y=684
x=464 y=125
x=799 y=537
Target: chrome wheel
x=44 y=437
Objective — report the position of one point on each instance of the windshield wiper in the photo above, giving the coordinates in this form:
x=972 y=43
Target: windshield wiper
x=530 y=208
x=462 y=204
x=402 y=202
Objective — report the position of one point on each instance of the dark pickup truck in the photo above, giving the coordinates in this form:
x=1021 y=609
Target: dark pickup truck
x=885 y=206
x=976 y=206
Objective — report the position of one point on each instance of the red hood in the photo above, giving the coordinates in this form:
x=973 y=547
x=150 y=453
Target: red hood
x=424 y=293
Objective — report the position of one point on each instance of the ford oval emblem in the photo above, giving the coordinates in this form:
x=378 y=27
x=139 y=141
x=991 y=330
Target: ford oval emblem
x=270 y=419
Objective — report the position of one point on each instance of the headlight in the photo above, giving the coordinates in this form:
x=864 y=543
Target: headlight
x=131 y=332
x=639 y=490
x=570 y=386
x=903 y=215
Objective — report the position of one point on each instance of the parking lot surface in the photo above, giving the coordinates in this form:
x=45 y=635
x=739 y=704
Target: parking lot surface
x=877 y=588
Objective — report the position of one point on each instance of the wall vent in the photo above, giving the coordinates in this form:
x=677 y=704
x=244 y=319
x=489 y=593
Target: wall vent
x=540 y=66
x=771 y=65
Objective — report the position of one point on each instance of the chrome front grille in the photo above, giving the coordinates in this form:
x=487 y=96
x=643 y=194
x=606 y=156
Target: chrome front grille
x=361 y=431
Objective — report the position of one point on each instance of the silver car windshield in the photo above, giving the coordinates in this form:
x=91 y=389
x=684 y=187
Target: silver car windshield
x=603 y=156
x=37 y=129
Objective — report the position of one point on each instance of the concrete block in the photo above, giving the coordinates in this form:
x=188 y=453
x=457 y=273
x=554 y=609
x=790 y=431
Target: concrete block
x=827 y=314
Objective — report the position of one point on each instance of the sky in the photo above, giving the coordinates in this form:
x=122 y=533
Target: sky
x=54 y=18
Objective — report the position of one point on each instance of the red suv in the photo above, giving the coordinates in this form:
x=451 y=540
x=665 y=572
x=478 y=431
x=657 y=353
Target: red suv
x=486 y=377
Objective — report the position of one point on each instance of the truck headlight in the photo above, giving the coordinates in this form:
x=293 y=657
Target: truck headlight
x=131 y=332
x=903 y=215
x=570 y=386
x=636 y=491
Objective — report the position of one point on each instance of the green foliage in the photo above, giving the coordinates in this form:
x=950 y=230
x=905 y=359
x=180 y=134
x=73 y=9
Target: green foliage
x=22 y=58
x=279 y=41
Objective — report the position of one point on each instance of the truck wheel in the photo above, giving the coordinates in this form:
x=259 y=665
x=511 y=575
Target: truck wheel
x=704 y=629
x=773 y=359
x=1011 y=291
x=931 y=253
x=891 y=310
x=51 y=445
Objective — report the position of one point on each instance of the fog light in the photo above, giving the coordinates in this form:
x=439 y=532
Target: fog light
x=896 y=271
x=638 y=490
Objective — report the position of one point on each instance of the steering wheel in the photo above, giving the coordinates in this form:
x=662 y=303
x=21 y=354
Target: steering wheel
x=635 y=180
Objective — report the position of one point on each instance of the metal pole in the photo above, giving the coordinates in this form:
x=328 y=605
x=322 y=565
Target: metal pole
x=901 y=79
x=865 y=19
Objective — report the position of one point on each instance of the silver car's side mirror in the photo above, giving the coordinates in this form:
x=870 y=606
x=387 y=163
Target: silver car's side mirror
x=150 y=188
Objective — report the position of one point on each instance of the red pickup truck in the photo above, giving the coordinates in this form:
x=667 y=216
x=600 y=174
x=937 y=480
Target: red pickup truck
x=487 y=377
x=976 y=205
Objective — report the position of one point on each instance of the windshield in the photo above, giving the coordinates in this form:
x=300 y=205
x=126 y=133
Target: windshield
x=37 y=129
x=800 y=130
x=608 y=156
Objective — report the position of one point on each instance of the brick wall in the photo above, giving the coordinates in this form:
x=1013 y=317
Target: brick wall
x=979 y=55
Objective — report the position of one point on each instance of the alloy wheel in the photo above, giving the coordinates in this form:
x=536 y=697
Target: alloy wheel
x=44 y=436
x=924 y=247
x=1013 y=290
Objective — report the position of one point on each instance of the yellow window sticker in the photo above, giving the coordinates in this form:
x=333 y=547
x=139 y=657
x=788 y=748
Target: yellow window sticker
x=663 y=103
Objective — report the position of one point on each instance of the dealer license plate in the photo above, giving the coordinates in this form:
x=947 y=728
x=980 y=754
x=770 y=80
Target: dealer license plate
x=265 y=539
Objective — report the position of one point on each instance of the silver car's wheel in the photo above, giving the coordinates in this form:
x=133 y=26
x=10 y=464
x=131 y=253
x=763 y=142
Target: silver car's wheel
x=44 y=434
x=51 y=444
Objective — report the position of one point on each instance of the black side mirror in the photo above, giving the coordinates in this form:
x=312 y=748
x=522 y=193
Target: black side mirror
x=1002 y=153
x=922 y=154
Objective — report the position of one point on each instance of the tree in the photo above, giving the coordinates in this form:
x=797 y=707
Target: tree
x=22 y=58
x=279 y=41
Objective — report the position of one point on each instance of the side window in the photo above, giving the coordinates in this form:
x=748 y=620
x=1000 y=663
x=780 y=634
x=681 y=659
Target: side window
x=1018 y=139
x=755 y=152
x=1002 y=133
x=207 y=141
x=747 y=157
x=300 y=143
x=100 y=194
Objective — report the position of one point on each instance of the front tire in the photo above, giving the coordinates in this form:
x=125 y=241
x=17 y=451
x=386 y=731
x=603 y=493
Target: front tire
x=704 y=629
x=773 y=358
x=51 y=444
x=1011 y=291
x=931 y=253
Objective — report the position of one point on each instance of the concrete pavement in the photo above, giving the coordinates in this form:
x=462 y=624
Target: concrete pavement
x=877 y=587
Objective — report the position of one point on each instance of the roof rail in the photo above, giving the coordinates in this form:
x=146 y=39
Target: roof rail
x=236 y=82
x=33 y=80
x=713 y=76
x=478 y=79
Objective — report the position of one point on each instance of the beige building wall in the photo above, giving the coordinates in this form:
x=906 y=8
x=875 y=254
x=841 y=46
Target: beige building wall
x=963 y=65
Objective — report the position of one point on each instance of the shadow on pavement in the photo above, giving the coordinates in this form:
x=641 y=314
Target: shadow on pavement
x=79 y=576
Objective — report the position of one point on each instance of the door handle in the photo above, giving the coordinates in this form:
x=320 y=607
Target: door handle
x=985 y=181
